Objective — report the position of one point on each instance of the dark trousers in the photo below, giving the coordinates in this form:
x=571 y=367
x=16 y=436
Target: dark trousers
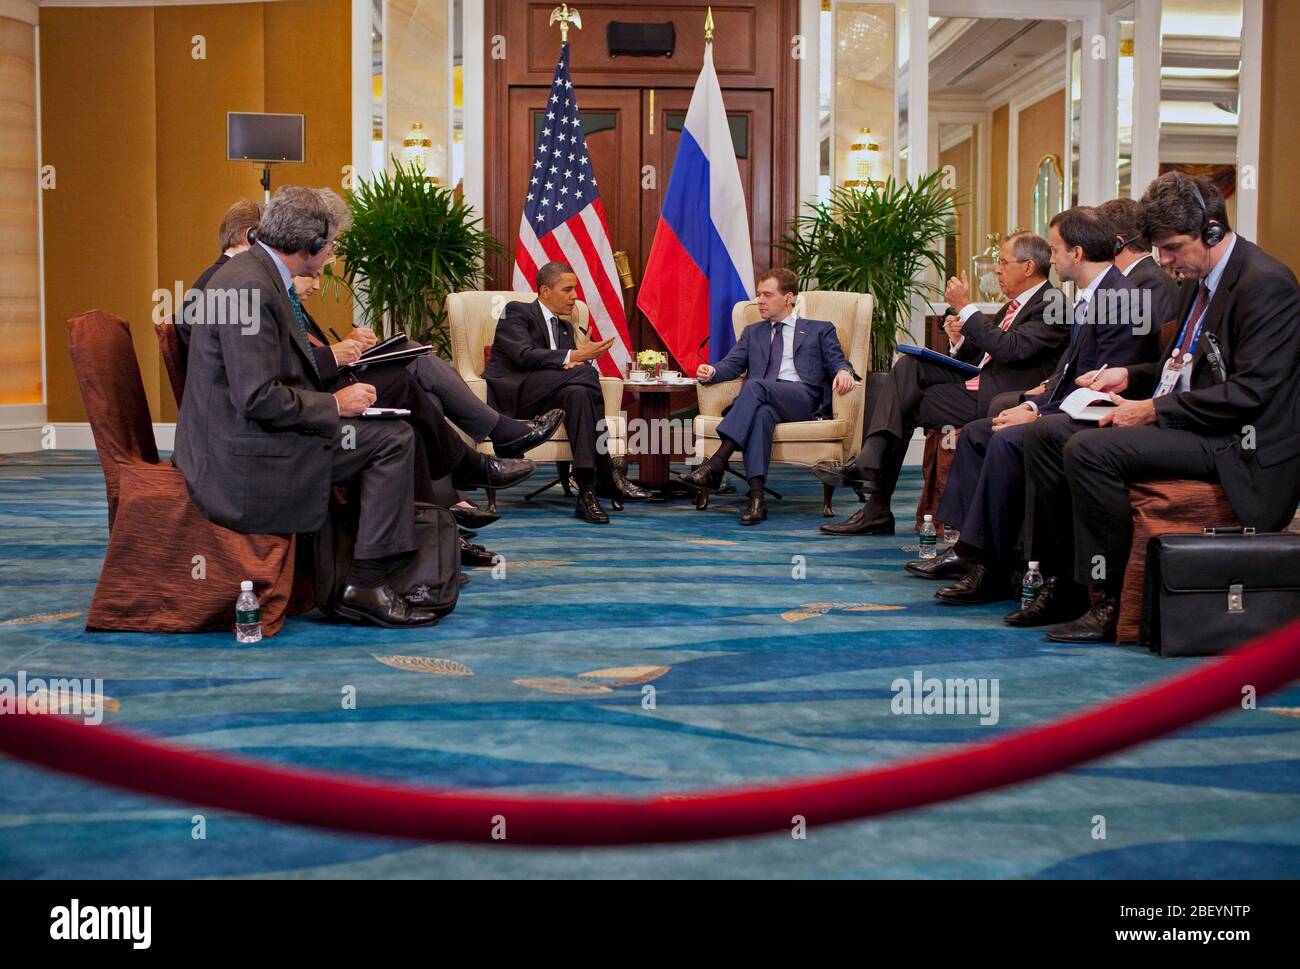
x=398 y=387
x=461 y=405
x=1079 y=519
x=577 y=391
x=985 y=494
x=384 y=455
x=761 y=405
x=917 y=394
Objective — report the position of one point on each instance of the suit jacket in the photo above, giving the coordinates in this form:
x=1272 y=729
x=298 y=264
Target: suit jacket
x=1147 y=275
x=1022 y=357
x=521 y=347
x=1254 y=416
x=817 y=356
x=182 y=329
x=256 y=431
x=1099 y=341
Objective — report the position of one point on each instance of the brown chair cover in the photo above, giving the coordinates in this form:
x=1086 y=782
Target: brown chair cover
x=936 y=463
x=170 y=570
x=1162 y=508
x=169 y=345
x=152 y=580
x=103 y=358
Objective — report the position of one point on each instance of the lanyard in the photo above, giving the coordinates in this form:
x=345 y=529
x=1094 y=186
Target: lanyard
x=1196 y=334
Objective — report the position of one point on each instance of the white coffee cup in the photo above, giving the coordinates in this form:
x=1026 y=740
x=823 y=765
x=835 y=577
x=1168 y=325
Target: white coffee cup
x=636 y=376
x=670 y=376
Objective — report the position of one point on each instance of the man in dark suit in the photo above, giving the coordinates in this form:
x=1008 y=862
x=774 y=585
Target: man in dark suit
x=1113 y=325
x=1221 y=403
x=792 y=364
x=1014 y=350
x=238 y=231
x=260 y=440
x=536 y=365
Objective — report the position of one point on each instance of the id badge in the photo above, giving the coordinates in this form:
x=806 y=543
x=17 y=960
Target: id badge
x=1169 y=376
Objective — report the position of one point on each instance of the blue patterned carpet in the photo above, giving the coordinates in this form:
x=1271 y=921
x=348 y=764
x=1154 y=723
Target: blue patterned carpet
x=757 y=676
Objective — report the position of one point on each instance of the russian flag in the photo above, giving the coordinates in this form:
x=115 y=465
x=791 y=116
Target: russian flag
x=701 y=263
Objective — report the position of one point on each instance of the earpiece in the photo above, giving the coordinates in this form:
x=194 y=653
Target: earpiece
x=318 y=243
x=1212 y=233
x=1120 y=243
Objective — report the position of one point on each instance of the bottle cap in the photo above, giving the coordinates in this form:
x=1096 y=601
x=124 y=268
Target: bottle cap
x=929 y=518
x=1033 y=565
x=246 y=586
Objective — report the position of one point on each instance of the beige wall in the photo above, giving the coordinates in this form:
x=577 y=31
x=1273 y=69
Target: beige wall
x=141 y=157
x=1040 y=131
x=415 y=75
x=20 y=293
x=1279 y=191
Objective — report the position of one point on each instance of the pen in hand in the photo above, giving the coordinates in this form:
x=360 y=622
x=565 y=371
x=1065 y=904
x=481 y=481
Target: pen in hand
x=1097 y=377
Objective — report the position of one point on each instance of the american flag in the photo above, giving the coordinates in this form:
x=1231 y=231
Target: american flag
x=564 y=220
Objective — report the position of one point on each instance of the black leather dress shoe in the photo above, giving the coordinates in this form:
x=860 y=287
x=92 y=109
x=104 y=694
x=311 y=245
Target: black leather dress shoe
x=617 y=486
x=471 y=518
x=383 y=607
x=980 y=585
x=540 y=430
x=589 y=510
x=1054 y=604
x=1097 y=625
x=494 y=472
x=755 y=512
x=947 y=565
x=466 y=532
x=837 y=474
x=867 y=520
x=473 y=555
x=703 y=477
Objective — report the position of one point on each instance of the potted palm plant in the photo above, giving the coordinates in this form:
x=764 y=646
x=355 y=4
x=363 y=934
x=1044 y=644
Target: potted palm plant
x=879 y=239
x=411 y=244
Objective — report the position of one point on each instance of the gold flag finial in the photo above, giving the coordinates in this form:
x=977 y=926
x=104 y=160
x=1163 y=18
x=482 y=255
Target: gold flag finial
x=708 y=26
x=565 y=15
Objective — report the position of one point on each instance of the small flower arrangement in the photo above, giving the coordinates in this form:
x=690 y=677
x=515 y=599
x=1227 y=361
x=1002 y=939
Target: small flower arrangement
x=651 y=361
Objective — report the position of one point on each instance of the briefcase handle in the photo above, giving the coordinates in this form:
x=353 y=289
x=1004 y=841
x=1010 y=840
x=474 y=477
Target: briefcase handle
x=1228 y=530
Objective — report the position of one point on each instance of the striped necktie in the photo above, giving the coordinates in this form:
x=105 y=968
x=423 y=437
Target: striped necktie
x=301 y=315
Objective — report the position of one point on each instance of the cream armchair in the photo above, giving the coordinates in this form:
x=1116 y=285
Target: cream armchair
x=472 y=318
x=804 y=442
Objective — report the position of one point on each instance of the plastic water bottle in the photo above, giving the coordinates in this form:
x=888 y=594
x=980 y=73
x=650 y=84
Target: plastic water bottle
x=1030 y=585
x=248 y=615
x=928 y=538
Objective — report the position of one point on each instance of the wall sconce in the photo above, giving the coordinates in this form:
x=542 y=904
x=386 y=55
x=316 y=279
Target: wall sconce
x=415 y=150
x=864 y=161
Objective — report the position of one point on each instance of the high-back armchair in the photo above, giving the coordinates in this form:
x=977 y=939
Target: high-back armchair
x=472 y=318
x=804 y=442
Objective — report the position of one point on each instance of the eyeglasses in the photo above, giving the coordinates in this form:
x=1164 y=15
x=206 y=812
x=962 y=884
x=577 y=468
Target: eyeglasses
x=1011 y=262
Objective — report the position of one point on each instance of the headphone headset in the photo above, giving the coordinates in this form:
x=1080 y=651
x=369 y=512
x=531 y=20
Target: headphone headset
x=251 y=235
x=318 y=243
x=1212 y=233
x=1120 y=243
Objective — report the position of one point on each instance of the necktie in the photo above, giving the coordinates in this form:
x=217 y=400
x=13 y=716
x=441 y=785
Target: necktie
x=1198 y=308
x=552 y=333
x=1067 y=367
x=774 y=356
x=1012 y=307
x=302 y=329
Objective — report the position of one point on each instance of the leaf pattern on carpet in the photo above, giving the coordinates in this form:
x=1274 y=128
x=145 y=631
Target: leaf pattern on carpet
x=426 y=664
x=812 y=610
x=41 y=617
x=560 y=684
x=625 y=675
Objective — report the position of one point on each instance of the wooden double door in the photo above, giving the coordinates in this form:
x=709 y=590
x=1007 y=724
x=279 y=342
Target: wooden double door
x=632 y=136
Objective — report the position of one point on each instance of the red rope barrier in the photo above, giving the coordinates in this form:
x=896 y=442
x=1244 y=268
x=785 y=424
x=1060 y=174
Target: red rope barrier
x=430 y=814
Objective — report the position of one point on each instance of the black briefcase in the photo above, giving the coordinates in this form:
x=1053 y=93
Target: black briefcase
x=432 y=574
x=1206 y=593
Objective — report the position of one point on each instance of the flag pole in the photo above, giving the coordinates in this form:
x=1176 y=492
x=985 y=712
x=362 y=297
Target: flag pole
x=565 y=15
x=708 y=26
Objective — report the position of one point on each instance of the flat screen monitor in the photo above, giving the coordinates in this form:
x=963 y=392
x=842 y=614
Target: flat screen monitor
x=264 y=137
